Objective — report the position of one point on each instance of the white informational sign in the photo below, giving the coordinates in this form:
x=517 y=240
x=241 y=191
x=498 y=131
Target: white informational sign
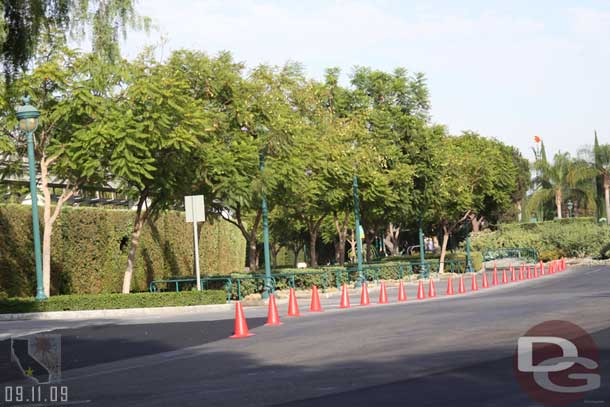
x=195 y=212
x=194 y=208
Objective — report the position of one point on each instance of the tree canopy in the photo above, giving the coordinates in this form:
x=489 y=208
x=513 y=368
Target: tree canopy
x=201 y=124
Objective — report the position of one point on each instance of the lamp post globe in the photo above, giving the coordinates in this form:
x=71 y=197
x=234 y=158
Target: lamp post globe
x=27 y=115
x=28 y=123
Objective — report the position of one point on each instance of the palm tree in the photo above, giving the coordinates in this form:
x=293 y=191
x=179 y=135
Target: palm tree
x=601 y=166
x=560 y=179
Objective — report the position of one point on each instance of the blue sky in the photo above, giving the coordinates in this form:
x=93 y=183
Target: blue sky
x=507 y=69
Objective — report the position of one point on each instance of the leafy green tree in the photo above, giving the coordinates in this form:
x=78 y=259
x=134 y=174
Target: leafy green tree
x=522 y=181
x=497 y=173
x=562 y=178
x=27 y=24
x=397 y=105
x=74 y=93
x=596 y=164
x=257 y=123
x=157 y=126
x=286 y=231
x=479 y=182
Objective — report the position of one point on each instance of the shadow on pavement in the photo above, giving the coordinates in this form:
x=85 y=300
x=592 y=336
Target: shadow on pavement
x=92 y=345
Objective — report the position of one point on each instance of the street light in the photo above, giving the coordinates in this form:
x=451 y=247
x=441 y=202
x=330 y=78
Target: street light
x=358 y=238
x=268 y=286
x=570 y=208
x=422 y=249
x=28 y=122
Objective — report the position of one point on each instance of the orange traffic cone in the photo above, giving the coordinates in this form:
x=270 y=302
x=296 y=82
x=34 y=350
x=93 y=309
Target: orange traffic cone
x=521 y=272
x=450 y=286
x=494 y=276
x=344 y=297
x=364 y=295
x=461 y=288
x=273 y=317
x=315 y=300
x=535 y=271
x=402 y=295
x=421 y=293
x=293 y=306
x=241 y=326
x=541 y=268
x=431 y=288
x=474 y=286
x=563 y=264
x=485 y=282
x=529 y=273
x=513 y=274
x=383 y=294
x=504 y=277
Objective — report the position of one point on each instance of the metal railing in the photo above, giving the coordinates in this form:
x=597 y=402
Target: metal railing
x=236 y=284
x=510 y=252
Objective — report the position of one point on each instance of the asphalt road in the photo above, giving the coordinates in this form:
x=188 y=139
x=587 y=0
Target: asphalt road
x=447 y=351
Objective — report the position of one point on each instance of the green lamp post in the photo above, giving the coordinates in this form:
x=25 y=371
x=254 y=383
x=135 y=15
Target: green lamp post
x=28 y=122
x=268 y=284
x=422 y=250
x=358 y=237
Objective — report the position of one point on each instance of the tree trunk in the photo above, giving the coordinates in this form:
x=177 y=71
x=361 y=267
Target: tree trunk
x=135 y=241
x=296 y=250
x=274 y=252
x=441 y=261
x=313 y=228
x=252 y=255
x=368 y=241
x=476 y=223
x=313 y=255
x=558 y=203
x=519 y=212
x=607 y=197
x=48 y=229
x=391 y=239
x=352 y=251
x=342 y=234
x=49 y=218
x=249 y=235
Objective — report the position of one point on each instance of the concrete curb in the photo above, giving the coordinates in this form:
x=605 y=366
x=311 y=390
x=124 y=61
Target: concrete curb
x=114 y=313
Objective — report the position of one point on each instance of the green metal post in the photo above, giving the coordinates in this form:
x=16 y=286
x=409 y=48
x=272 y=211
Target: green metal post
x=28 y=122
x=468 y=258
x=35 y=224
x=422 y=249
x=268 y=287
x=358 y=239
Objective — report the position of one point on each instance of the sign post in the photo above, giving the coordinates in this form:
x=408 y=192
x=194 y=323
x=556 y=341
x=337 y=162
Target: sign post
x=195 y=212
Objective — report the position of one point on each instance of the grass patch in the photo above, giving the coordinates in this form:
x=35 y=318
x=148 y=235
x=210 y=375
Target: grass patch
x=111 y=301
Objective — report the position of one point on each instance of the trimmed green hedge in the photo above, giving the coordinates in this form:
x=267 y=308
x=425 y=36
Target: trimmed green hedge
x=111 y=301
x=574 y=237
x=90 y=246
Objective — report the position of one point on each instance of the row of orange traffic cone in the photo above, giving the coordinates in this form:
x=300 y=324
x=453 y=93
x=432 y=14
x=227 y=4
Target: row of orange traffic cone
x=273 y=318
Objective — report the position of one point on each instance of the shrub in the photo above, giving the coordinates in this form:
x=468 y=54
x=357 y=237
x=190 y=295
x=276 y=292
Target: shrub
x=476 y=258
x=575 y=237
x=111 y=301
x=90 y=245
